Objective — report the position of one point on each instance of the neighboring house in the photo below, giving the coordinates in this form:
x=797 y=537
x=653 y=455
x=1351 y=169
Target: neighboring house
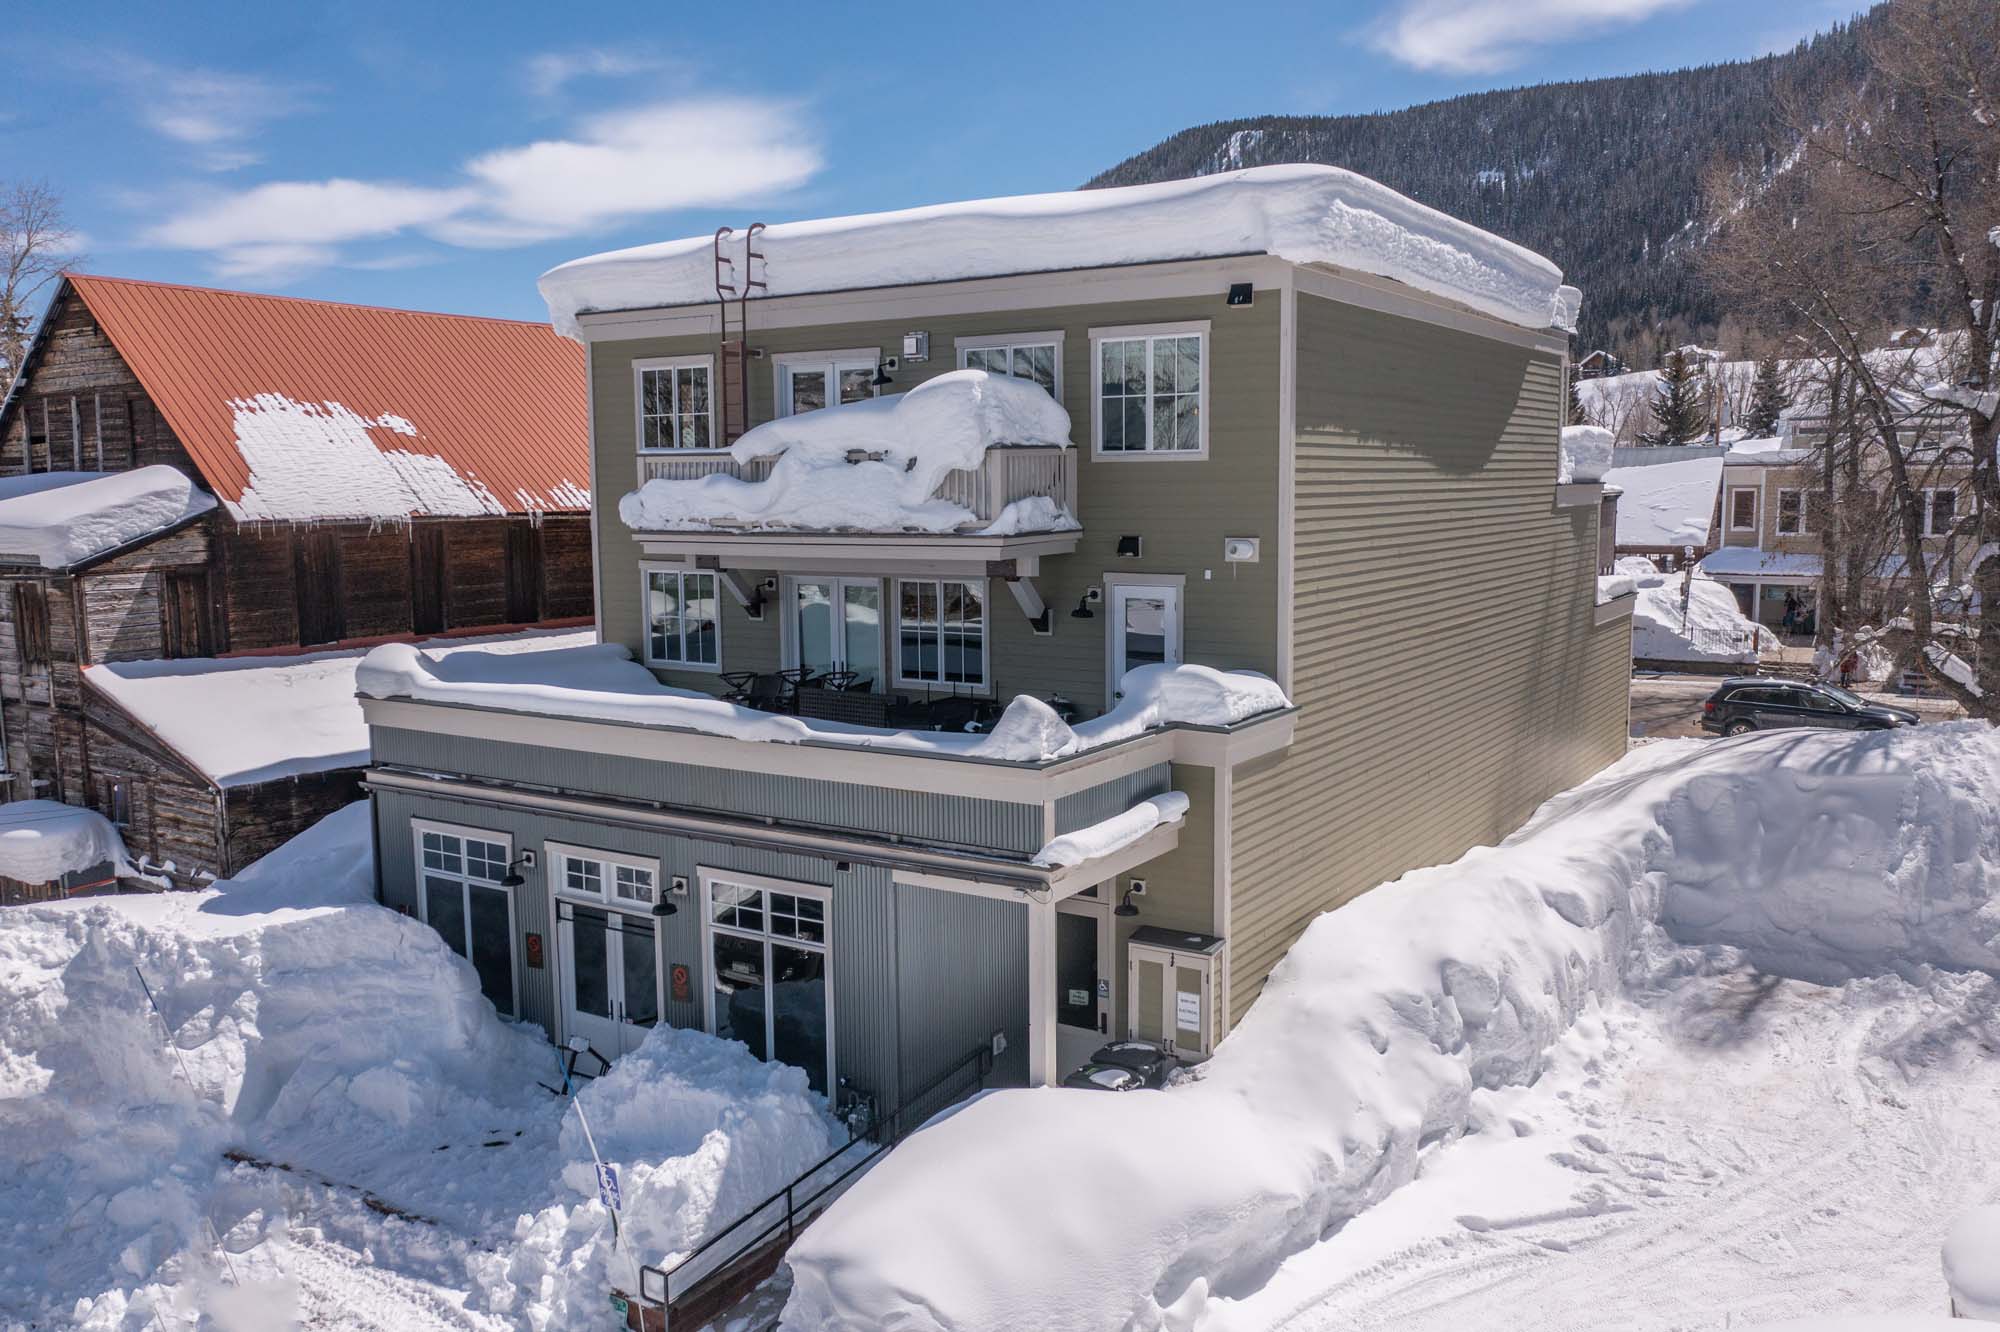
x=1328 y=468
x=1666 y=503
x=1598 y=364
x=1767 y=541
x=187 y=473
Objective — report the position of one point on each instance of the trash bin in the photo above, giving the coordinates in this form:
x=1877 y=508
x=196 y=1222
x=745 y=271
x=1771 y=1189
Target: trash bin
x=1124 y=1066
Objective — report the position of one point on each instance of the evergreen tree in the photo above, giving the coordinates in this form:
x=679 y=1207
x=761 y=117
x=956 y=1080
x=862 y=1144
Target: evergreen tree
x=1768 y=398
x=1679 y=406
x=1576 y=415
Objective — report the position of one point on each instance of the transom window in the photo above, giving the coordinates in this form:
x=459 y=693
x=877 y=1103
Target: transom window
x=469 y=857
x=1940 y=511
x=586 y=873
x=1742 y=510
x=675 y=409
x=1036 y=357
x=1791 y=512
x=682 y=629
x=808 y=382
x=941 y=632
x=1151 y=393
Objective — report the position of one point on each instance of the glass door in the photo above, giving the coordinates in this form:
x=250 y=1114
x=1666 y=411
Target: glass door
x=837 y=626
x=611 y=977
x=1145 y=629
x=769 y=984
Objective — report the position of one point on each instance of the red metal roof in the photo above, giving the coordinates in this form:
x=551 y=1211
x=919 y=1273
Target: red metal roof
x=277 y=398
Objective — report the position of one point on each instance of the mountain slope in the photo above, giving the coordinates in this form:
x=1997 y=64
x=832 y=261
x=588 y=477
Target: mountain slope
x=1603 y=176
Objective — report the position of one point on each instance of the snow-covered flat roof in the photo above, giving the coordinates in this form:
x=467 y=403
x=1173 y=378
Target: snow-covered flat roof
x=41 y=841
x=243 y=720
x=1307 y=214
x=60 y=519
x=1666 y=504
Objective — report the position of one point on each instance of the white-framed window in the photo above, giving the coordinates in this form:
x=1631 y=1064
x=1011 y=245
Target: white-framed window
x=674 y=402
x=1743 y=510
x=683 y=623
x=941 y=633
x=807 y=381
x=1150 y=395
x=461 y=896
x=1033 y=356
x=1940 y=510
x=591 y=875
x=769 y=949
x=1792 y=512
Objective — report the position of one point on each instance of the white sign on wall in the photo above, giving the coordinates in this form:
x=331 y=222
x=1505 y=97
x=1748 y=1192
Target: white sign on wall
x=1187 y=1010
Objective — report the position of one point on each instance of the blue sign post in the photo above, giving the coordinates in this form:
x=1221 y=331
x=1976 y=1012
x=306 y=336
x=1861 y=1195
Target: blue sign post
x=607 y=1186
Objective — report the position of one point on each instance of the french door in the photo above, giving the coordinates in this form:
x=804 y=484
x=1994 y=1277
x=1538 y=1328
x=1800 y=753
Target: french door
x=1145 y=629
x=837 y=626
x=463 y=900
x=769 y=982
x=610 y=965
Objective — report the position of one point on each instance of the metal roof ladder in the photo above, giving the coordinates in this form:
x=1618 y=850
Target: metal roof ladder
x=733 y=355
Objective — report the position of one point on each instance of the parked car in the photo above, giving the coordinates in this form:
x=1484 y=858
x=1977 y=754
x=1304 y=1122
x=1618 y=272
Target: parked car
x=1124 y=1066
x=1758 y=703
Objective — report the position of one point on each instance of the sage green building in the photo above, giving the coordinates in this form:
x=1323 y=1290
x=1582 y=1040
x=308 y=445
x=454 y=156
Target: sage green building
x=1343 y=482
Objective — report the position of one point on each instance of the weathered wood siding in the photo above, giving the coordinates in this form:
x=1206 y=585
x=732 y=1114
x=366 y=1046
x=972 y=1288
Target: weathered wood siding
x=1448 y=668
x=171 y=811
x=1182 y=508
x=260 y=818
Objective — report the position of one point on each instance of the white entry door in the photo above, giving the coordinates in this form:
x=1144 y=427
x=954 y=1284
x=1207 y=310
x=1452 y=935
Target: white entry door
x=1145 y=628
x=610 y=964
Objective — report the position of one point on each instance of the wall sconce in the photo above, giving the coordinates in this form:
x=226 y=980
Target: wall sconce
x=1129 y=545
x=881 y=379
x=1083 y=610
x=677 y=886
x=513 y=879
x=1125 y=907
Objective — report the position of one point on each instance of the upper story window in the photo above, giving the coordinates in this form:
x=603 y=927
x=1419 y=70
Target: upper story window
x=1152 y=390
x=940 y=632
x=1940 y=511
x=1035 y=356
x=683 y=629
x=1743 y=510
x=676 y=408
x=808 y=381
x=1792 y=513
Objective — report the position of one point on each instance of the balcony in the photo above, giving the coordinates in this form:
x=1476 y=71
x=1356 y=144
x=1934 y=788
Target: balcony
x=963 y=474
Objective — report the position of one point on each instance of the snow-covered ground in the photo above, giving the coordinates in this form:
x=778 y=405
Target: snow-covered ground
x=1709 y=628
x=1708 y=1043
x=341 y=1134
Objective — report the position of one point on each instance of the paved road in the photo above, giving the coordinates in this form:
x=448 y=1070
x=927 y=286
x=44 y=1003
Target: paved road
x=1666 y=706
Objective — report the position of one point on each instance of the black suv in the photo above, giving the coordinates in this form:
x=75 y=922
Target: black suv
x=1758 y=703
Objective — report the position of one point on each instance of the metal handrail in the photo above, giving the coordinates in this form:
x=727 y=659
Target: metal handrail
x=796 y=1203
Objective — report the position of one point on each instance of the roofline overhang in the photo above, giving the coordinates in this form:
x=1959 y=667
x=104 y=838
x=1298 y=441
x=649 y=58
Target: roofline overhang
x=825 y=760
x=1004 y=874
x=1015 y=556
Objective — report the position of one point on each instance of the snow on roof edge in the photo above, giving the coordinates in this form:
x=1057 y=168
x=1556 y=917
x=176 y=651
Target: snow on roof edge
x=1303 y=213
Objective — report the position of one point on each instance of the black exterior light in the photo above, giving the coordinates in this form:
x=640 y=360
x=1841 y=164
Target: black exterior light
x=512 y=878
x=1240 y=293
x=1129 y=545
x=1083 y=610
x=1125 y=907
x=881 y=379
x=663 y=907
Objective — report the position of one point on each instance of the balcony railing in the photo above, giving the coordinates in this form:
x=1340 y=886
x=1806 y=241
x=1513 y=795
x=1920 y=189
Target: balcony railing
x=1007 y=473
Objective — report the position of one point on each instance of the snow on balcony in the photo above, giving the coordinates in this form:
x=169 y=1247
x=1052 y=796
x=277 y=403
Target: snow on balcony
x=966 y=453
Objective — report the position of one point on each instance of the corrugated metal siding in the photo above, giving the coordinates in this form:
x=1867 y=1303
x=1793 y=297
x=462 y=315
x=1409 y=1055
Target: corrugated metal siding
x=1099 y=803
x=502 y=402
x=844 y=806
x=1182 y=508
x=1423 y=454
x=955 y=996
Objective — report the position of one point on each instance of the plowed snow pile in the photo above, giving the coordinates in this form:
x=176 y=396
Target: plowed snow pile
x=428 y=1180
x=1428 y=1009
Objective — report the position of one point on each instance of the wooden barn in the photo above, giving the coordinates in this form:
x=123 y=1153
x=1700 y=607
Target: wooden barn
x=191 y=473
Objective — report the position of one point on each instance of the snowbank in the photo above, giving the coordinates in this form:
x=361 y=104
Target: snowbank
x=1666 y=504
x=347 y=1042
x=602 y=682
x=1115 y=833
x=1585 y=455
x=1711 y=629
x=57 y=519
x=1833 y=854
x=42 y=840
x=1610 y=587
x=902 y=446
x=1308 y=214
x=242 y=720
x=1972 y=1264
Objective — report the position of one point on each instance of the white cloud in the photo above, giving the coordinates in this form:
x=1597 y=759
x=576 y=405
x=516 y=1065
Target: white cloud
x=617 y=166
x=551 y=72
x=1484 y=36
x=211 y=111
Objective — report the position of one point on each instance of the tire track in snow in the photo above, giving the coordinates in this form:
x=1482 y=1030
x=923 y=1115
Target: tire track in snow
x=339 y=1288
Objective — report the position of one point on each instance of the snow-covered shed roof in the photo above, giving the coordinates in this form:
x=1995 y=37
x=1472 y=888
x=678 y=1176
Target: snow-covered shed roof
x=1666 y=504
x=1766 y=451
x=58 y=520
x=300 y=410
x=1304 y=213
x=244 y=720
x=42 y=840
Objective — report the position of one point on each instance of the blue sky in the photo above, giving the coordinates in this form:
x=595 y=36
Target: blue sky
x=421 y=156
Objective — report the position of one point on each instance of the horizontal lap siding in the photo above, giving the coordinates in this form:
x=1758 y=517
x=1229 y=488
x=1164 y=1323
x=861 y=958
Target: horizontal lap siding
x=1448 y=668
x=841 y=806
x=1181 y=508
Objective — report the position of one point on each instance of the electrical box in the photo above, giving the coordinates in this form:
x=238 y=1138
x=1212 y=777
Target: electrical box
x=916 y=347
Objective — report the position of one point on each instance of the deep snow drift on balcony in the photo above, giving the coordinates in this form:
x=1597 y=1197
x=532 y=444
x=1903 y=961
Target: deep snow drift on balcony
x=870 y=466
x=1813 y=855
x=1308 y=214
x=603 y=683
